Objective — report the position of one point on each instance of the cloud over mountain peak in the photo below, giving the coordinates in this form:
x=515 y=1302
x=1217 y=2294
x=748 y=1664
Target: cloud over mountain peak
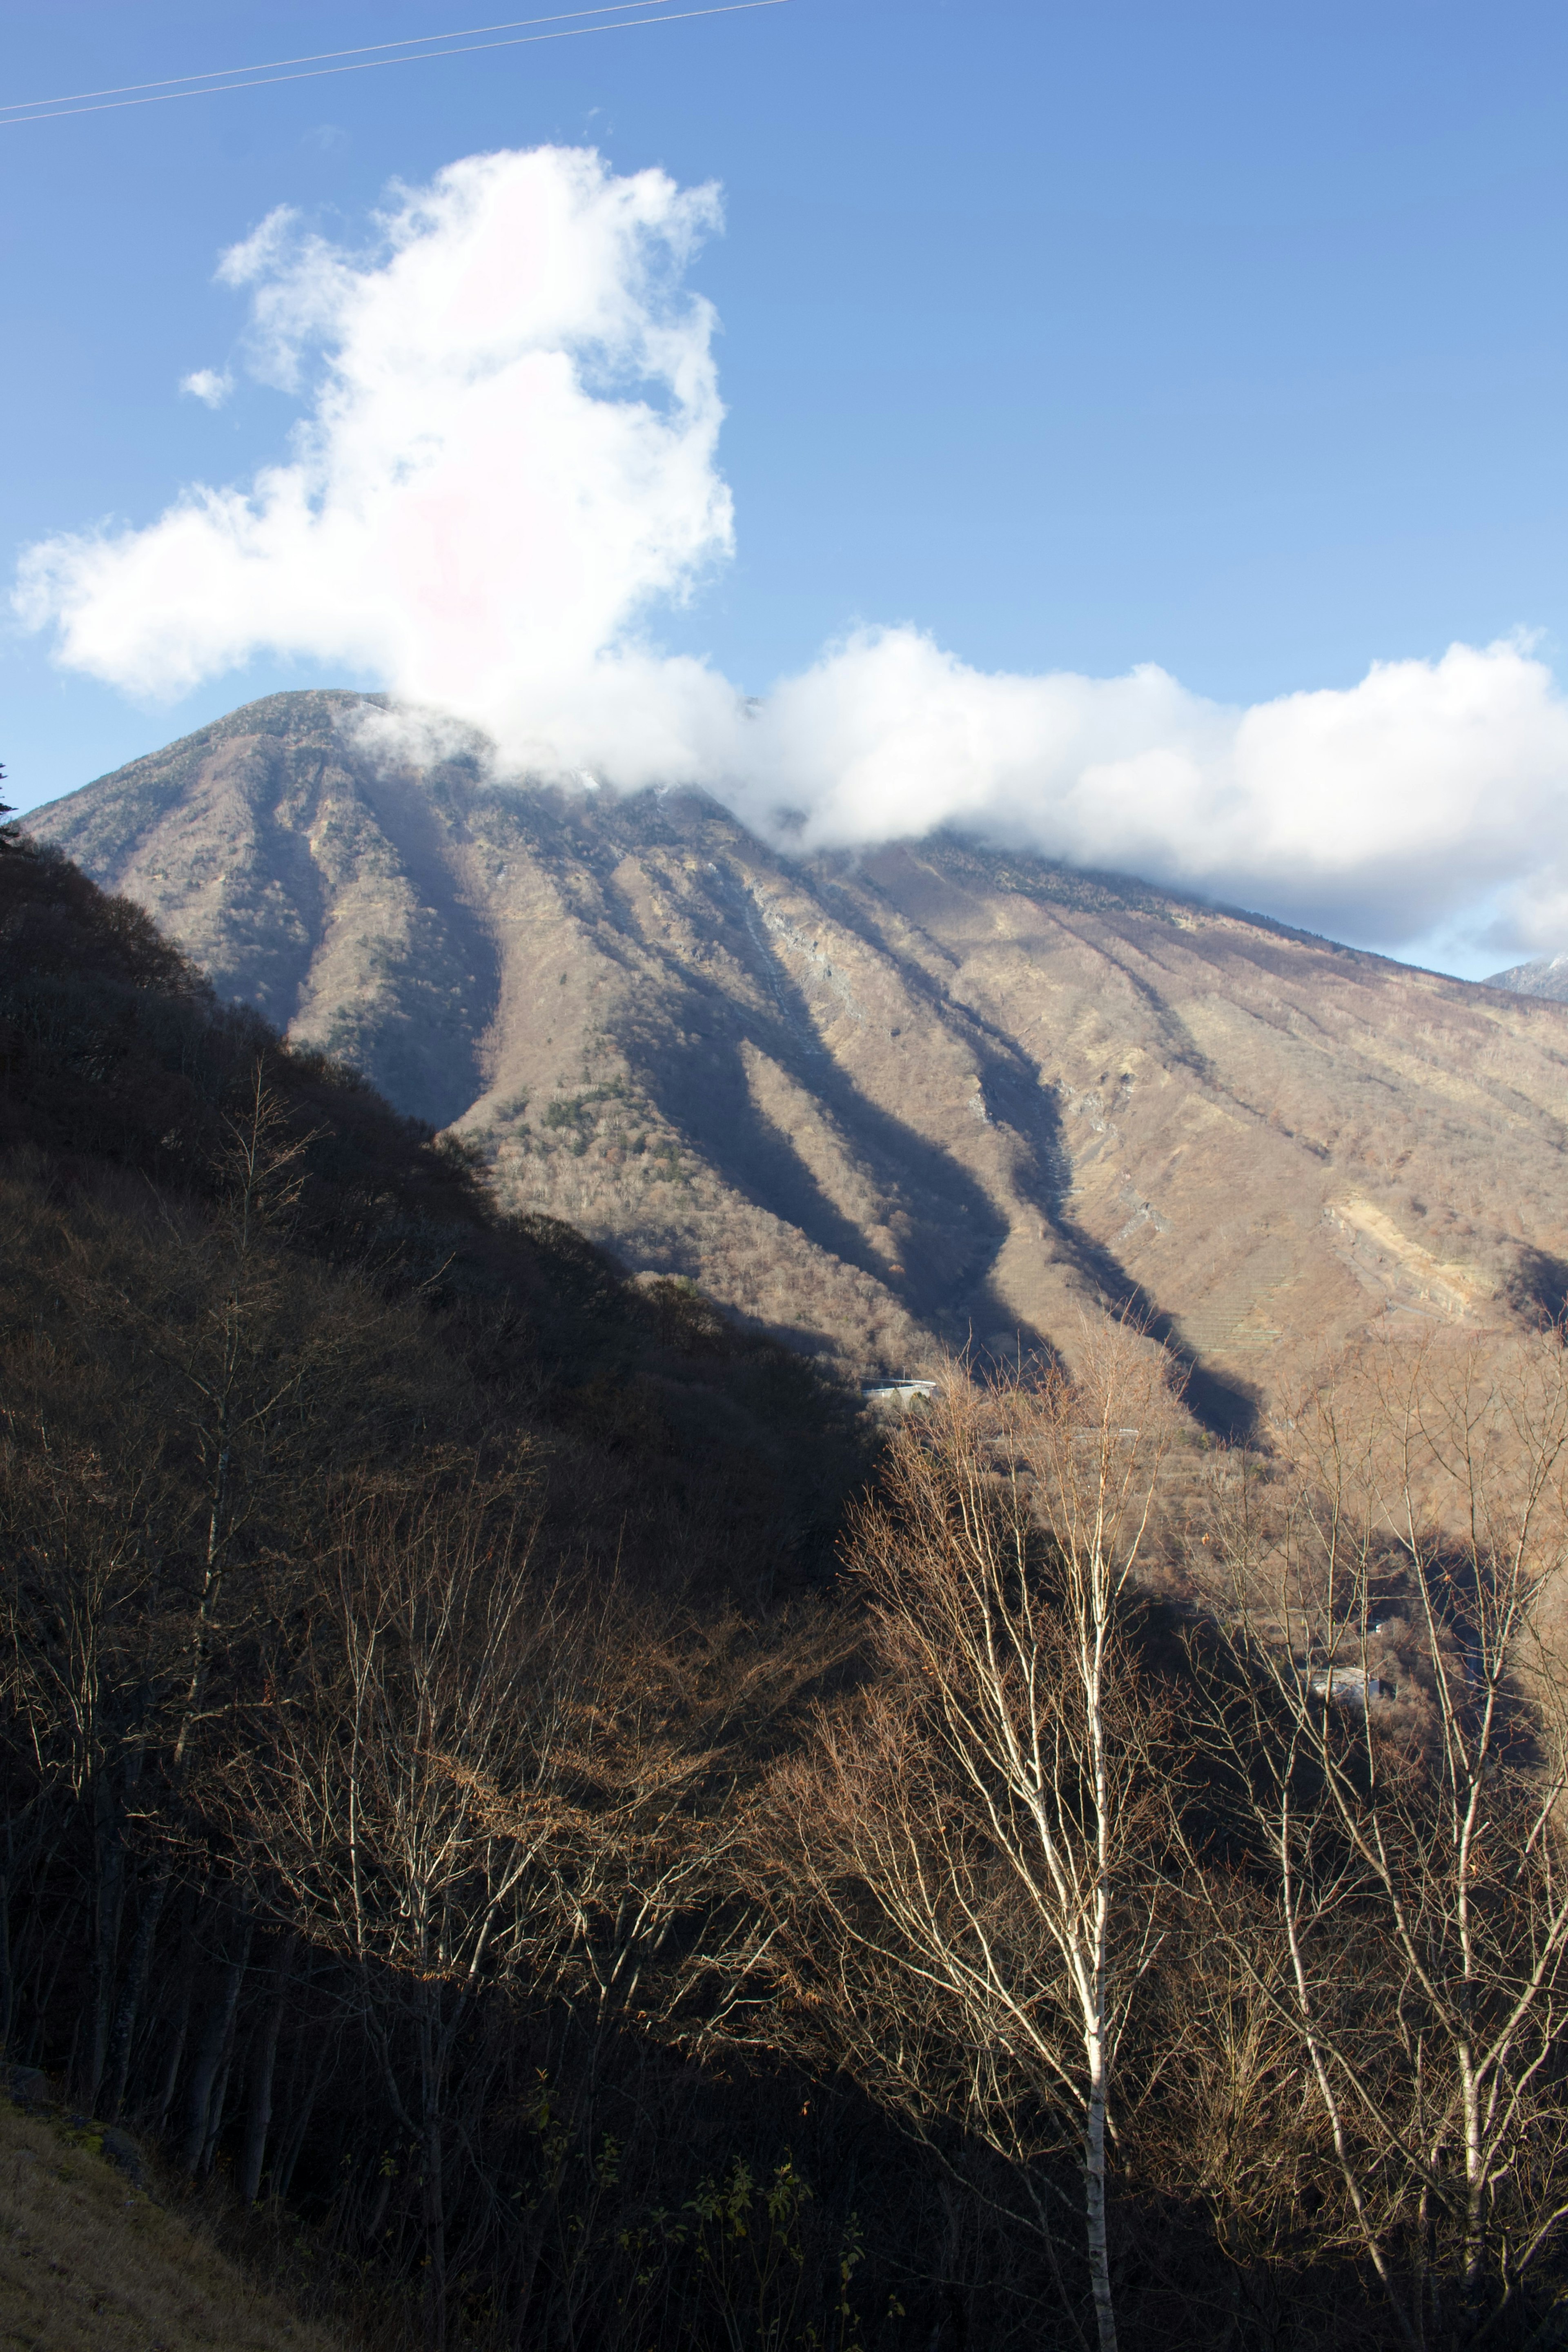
x=506 y=466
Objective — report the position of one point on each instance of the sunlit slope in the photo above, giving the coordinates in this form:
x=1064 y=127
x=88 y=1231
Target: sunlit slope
x=1546 y=976
x=90 y=2263
x=927 y=1092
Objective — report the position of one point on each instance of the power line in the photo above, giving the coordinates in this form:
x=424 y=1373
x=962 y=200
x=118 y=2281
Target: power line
x=55 y=112
x=323 y=56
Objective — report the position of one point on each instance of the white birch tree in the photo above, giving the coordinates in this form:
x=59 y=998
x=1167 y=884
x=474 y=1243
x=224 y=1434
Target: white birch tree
x=1392 y=1709
x=976 y=1900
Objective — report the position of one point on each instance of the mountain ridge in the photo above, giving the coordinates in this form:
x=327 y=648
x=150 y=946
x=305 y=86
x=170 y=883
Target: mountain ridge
x=1543 y=976
x=929 y=1093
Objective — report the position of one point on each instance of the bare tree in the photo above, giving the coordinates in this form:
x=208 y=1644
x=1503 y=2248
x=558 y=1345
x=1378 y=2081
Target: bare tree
x=481 y=1771
x=973 y=1899
x=205 y=1360
x=427 y=1686
x=674 y=1725
x=78 y=1649
x=1394 y=1726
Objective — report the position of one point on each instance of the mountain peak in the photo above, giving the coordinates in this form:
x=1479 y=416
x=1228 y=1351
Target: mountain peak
x=1546 y=976
x=927 y=1092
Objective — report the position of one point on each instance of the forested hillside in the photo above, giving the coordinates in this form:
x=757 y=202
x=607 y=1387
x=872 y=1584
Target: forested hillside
x=879 y=1102
x=590 y=1845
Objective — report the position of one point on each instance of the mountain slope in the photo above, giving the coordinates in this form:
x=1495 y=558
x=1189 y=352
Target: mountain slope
x=1547 y=976
x=85 y=2267
x=929 y=1090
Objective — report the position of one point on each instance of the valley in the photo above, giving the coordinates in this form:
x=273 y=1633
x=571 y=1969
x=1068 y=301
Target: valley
x=526 y=1798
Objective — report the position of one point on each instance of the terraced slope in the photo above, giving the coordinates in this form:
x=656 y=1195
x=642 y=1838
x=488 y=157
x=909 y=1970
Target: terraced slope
x=927 y=1092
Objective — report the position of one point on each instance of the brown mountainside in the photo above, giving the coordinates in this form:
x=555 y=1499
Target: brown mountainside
x=929 y=1091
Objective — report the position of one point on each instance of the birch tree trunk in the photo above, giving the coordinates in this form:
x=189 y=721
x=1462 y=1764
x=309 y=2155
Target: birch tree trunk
x=1395 y=1702
x=973 y=1902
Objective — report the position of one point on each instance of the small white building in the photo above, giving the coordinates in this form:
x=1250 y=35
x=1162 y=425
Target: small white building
x=898 y=1394
x=1352 y=1686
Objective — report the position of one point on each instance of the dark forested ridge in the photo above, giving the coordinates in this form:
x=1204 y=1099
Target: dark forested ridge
x=263 y=1339
x=580 y=1843
x=134 y=1102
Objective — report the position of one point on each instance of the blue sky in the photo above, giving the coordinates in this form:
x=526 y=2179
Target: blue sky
x=1227 y=338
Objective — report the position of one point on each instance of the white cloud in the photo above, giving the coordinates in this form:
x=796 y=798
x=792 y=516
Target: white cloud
x=507 y=464
x=1375 y=811
x=508 y=457
x=206 y=384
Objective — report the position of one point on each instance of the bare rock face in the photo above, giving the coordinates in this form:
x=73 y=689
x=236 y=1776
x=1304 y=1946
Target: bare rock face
x=925 y=1092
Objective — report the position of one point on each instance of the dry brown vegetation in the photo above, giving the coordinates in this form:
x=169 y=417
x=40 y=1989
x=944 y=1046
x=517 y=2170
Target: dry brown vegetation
x=622 y=1175
x=971 y=1846
x=1282 y=1910
x=90 y=2264
x=519 y=1795
x=927 y=1096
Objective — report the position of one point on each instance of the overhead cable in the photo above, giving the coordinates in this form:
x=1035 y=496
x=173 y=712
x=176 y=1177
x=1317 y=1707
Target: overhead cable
x=54 y=110
x=325 y=57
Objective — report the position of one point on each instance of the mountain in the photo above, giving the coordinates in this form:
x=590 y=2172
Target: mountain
x=1547 y=976
x=926 y=1092
x=171 y=1171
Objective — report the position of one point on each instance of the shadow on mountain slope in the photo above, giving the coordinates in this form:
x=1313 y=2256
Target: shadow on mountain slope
x=1226 y=1406
x=428 y=1056
x=691 y=1059
x=857 y=1182
x=1014 y=1092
